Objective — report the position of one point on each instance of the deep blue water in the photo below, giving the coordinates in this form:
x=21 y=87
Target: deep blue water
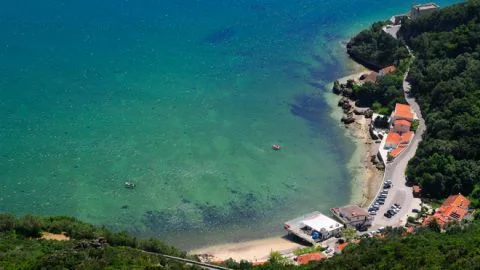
x=184 y=98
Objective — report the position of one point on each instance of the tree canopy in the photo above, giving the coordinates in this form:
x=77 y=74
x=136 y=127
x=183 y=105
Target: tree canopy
x=446 y=83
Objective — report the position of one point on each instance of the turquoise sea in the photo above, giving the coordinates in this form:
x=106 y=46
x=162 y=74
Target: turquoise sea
x=184 y=99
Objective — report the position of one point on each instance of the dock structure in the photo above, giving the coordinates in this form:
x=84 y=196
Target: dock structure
x=352 y=215
x=314 y=227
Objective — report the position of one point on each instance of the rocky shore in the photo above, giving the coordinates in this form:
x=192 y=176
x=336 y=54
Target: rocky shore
x=367 y=174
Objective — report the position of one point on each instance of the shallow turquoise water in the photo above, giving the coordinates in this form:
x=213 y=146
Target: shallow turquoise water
x=185 y=100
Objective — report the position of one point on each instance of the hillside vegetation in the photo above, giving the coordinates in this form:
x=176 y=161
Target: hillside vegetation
x=445 y=78
x=376 y=49
x=22 y=248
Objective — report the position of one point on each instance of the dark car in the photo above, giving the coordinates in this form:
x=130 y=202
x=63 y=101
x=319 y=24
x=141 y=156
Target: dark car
x=362 y=229
x=414 y=210
x=387 y=215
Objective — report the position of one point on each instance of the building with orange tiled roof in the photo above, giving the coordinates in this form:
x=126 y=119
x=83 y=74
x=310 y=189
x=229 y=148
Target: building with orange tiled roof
x=402 y=112
x=310 y=257
x=417 y=191
x=454 y=209
x=401 y=126
x=387 y=70
x=371 y=77
x=395 y=152
x=341 y=246
x=395 y=139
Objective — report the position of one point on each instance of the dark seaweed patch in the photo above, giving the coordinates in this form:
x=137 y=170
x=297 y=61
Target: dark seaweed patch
x=220 y=36
x=310 y=108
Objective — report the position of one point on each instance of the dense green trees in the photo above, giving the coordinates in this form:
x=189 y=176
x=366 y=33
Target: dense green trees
x=376 y=49
x=445 y=80
x=382 y=95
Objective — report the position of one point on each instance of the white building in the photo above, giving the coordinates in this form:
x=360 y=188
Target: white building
x=314 y=227
x=419 y=10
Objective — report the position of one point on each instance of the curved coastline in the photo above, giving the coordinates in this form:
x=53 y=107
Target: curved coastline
x=364 y=183
x=366 y=178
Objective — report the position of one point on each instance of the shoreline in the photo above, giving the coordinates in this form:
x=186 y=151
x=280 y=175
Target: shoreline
x=366 y=178
x=253 y=250
x=365 y=181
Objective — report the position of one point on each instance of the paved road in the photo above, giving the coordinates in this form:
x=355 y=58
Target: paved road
x=395 y=171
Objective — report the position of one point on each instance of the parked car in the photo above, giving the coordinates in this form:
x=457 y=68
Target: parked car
x=372 y=213
x=387 y=215
x=362 y=229
x=415 y=210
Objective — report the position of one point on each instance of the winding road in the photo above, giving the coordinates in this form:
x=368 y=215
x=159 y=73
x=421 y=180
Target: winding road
x=395 y=171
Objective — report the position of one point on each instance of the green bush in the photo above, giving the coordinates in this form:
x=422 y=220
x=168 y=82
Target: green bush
x=29 y=226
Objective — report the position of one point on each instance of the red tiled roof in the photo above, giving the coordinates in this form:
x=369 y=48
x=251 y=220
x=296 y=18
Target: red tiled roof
x=457 y=200
x=395 y=152
x=403 y=111
x=410 y=229
x=389 y=69
x=340 y=247
x=371 y=77
x=405 y=137
x=314 y=256
x=416 y=189
x=402 y=122
x=454 y=207
x=393 y=137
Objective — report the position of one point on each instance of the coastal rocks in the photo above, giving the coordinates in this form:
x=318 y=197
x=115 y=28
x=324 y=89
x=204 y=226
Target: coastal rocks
x=348 y=119
x=368 y=113
x=100 y=242
x=345 y=104
x=336 y=88
x=345 y=90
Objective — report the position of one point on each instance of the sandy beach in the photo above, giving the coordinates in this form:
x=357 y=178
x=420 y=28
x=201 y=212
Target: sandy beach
x=253 y=251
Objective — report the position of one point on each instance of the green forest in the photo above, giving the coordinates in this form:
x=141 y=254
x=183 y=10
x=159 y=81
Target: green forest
x=445 y=78
x=376 y=49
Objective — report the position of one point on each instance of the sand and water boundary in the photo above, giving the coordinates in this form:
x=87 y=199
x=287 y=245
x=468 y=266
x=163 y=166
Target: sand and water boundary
x=366 y=179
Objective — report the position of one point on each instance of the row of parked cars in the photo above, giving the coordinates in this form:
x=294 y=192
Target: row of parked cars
x=380 y=200
x=394 y=209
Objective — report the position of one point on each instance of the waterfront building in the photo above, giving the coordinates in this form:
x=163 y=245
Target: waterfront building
x=387 y=70
x=395 y=139
x=422 y=9
x=352 y=215
x=313 y=227
x=403 y=112
x=401 y=126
